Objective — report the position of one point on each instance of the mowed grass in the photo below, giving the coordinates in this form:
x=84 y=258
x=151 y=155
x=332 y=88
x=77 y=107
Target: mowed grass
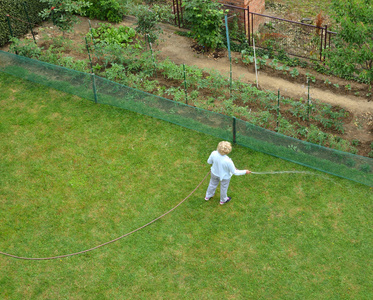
x=74 y=175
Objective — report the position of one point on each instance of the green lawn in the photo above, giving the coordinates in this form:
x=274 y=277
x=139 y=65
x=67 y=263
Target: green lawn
x=74 y=174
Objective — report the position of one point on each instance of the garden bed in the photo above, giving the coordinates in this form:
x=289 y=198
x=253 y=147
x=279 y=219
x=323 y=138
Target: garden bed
x=357 y=124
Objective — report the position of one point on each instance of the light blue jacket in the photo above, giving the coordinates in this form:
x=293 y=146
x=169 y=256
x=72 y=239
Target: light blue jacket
x=223 y=166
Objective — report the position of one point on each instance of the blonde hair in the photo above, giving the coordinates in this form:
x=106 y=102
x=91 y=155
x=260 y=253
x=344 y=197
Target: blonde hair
x=224 y=148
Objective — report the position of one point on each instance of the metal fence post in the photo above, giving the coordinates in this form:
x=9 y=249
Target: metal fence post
x=177 y=16
x=94 y=86
x=246 y=20
x=308 y=102
x=29 y=21
x=185 y=85
x=229 y=54
x=234 y=130
x=326 y=36
x=321 y=42
x=89 y=54
x=151 y=50
x=10 y=26
x=10 y=29
x=278 y=108
x=248 y=24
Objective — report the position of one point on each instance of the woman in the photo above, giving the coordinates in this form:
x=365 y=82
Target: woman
x=222 y=170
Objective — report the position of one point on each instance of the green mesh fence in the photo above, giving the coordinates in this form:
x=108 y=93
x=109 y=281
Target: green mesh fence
x=100 y=90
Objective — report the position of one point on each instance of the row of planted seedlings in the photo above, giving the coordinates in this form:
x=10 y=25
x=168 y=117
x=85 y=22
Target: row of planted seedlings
x=289 y=67
x=135 y=64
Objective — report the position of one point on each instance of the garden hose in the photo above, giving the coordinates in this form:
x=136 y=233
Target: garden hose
x=147 y=224
x=112 y=241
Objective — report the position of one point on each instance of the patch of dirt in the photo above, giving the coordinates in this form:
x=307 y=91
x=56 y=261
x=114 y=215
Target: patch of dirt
x=182 y=50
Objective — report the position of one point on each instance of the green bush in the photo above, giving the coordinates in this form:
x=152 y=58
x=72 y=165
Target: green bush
x=16 y=9
x=109 y=10
x=63 y=13
x=206 y=21
x=147 y=22
x=25 y=48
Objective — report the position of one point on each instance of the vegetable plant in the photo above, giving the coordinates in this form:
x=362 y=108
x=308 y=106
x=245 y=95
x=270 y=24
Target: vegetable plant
x=122 y=35
x=294 y=73
x=25 y=48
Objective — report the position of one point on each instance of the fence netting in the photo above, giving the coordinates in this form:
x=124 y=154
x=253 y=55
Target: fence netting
x=100 y=90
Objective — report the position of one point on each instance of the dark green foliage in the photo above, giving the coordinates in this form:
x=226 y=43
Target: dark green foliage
x=147 y=22
x=25 y=48
x=109 y=10
x=205 y=19
x=15 y=9
x=121 y=35
x=63 y=13
x=352 y=54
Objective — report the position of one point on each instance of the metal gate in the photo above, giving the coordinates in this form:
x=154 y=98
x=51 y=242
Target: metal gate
x=296 y=38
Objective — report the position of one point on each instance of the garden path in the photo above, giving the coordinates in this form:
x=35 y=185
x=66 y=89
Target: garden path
x=179 y=50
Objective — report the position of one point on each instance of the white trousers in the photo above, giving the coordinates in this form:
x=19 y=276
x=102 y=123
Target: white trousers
x=214 y=182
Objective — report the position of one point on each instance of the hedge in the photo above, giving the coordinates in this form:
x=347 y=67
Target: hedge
x=15 y=9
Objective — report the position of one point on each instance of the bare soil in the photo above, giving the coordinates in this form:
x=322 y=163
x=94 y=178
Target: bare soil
x=180 y=49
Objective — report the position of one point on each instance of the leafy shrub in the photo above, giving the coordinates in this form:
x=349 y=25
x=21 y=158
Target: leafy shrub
x=147 y=22
x=63 y=12
x=164 y=13
x=206 y=21
x=109 y=10
x=25 y=48
x=16 y=9
x=351 y=53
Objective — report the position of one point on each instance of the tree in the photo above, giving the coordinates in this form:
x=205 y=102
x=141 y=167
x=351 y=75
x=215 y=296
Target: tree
x=147 y=22
x=63 y=12
x=205 y=18
x=353 y=51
